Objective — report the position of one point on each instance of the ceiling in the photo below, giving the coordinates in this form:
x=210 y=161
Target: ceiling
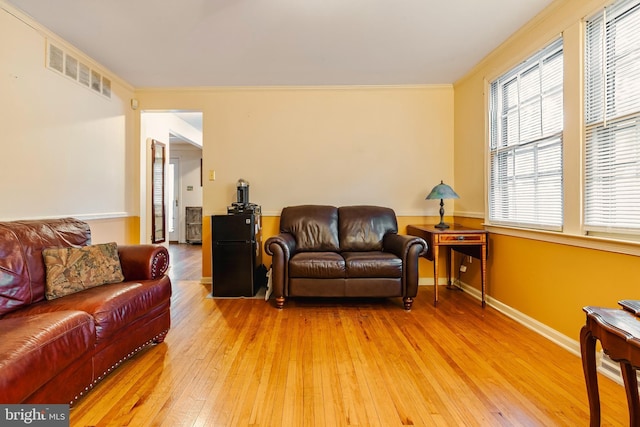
x=186 y=43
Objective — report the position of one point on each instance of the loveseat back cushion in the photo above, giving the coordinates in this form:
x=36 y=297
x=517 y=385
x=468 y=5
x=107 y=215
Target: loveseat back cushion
x=362 y=228
x=314 y=227
x=22 y=270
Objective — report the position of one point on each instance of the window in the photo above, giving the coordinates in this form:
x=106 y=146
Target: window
x=525 y=152
x=612 y=119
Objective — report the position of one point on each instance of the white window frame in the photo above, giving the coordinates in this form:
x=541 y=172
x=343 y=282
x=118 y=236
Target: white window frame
x=529 y=195
x=611 y=206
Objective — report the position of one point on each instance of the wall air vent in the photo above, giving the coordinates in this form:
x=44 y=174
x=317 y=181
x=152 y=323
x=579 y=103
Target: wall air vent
x=84 y=75
x=56 y=58
x=67 y=65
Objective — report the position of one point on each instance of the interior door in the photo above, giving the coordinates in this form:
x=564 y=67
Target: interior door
x=158 y=178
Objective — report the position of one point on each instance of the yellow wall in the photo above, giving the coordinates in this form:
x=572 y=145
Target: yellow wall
x=333 y=145
x=337 y=146
x=547 y=281
x=552 y=282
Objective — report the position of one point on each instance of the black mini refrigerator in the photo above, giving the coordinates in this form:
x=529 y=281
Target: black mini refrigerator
x=236 y=255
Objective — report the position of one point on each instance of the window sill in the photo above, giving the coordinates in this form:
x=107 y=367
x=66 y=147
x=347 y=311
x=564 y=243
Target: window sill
x=582 y=241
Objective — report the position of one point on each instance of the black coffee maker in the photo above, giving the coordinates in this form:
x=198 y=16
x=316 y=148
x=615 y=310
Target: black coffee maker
x=242 y=204
x=242 y=191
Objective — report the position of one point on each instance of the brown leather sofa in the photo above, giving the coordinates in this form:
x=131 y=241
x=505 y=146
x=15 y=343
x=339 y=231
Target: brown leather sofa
x=350 y=251
x=54 y=351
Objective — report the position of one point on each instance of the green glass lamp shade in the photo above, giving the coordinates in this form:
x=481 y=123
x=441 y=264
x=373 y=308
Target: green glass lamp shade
x=442 y=191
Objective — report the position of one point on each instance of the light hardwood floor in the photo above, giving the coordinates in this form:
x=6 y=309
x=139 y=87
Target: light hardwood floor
x=242 y=362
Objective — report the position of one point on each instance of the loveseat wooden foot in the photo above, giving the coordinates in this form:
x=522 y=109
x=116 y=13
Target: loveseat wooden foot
x=408 y=302
x=280 y=302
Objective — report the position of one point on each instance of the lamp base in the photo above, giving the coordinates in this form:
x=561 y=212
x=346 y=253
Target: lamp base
x=442 y=225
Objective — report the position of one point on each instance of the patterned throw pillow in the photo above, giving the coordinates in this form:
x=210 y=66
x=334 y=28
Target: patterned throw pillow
x=71 y=270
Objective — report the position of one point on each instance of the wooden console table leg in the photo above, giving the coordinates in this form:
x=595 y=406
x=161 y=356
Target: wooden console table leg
x=631 y=387
x=450 y=267
x=588 y=350
x=435 y=274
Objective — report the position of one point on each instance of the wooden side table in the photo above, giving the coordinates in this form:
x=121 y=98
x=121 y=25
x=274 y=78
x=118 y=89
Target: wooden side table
x=469 y=241
x=619 y=333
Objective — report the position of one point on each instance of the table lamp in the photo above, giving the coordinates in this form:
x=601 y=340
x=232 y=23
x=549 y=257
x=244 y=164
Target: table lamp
x=442 y=191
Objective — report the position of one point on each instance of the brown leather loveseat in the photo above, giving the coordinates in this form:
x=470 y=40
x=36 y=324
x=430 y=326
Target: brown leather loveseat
x=54 y=349
x=350 y=251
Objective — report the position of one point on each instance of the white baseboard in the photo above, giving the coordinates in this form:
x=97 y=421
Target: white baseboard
x=606 y=366
x=428 y=281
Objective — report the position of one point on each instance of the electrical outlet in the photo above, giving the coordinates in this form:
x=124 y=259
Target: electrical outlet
x=463 y=268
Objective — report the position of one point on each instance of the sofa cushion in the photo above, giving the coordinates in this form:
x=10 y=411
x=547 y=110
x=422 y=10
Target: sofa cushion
x=113 y=306
x=372 y=264
x=34 y=349
x=362 y=228
x=22 y=271
x=315 y=227
x=126 y=303
x=327 y=265
x=71 y=270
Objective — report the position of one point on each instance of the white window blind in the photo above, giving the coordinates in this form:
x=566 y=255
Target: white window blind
x=612 y=117
x=525 y=154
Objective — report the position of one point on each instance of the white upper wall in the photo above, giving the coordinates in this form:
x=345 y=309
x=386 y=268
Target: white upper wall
x=66 y=150
x=158 y=125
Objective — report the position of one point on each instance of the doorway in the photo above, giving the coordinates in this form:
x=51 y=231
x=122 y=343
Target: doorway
x=181 y=131
x=187 y=185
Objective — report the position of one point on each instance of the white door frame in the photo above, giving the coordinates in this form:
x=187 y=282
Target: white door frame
x=176 y=201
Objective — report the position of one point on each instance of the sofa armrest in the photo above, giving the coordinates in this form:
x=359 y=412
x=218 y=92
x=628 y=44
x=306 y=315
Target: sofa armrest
x=409 y=249
x=400 y=244
x=143 y=262
x=280 y=247
x=283 y=242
